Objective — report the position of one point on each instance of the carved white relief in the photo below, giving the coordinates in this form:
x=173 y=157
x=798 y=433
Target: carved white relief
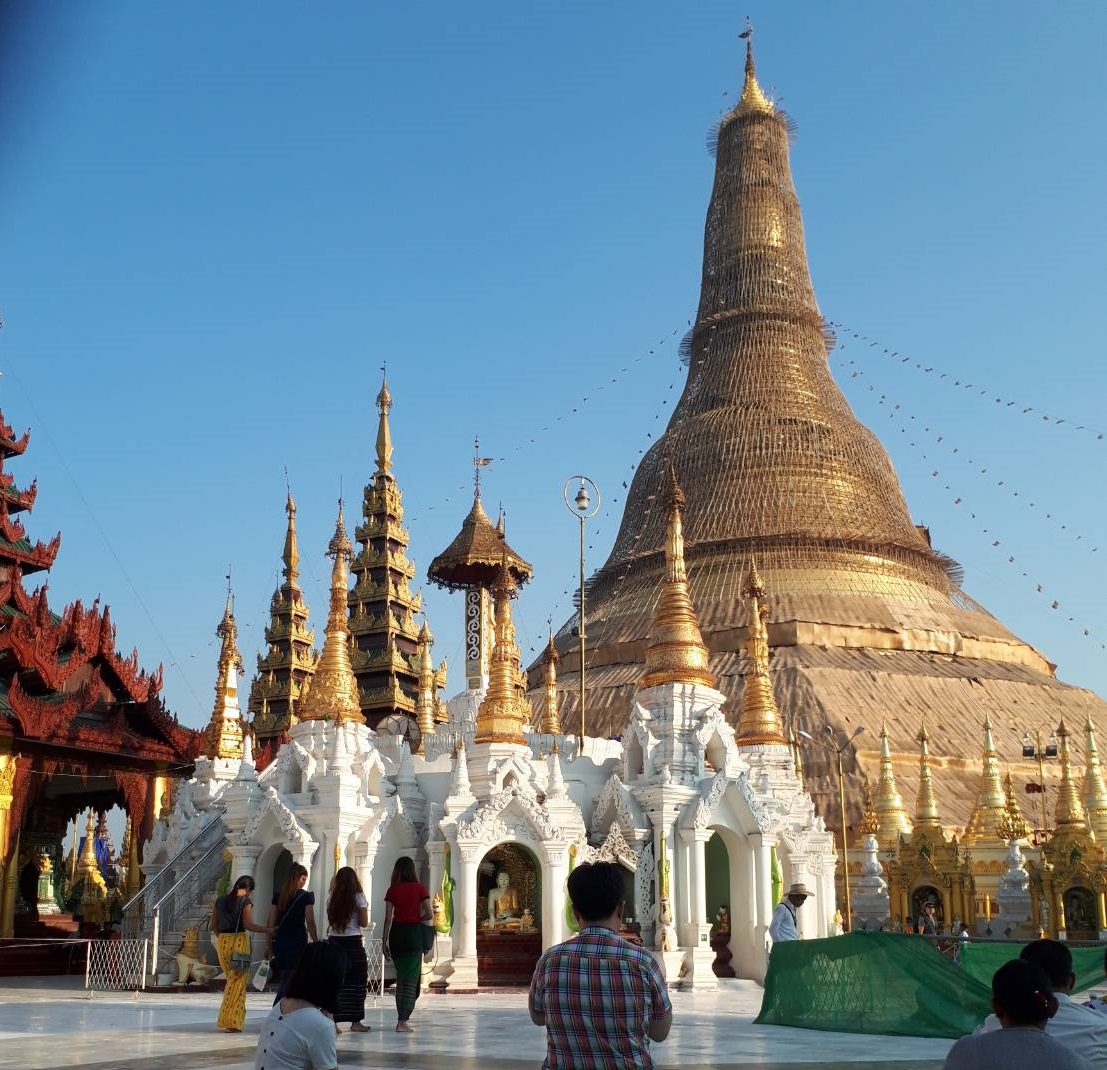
x=290 y=825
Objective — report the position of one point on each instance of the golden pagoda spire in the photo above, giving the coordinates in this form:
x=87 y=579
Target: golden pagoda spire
x=1068 y=811
x=991 y=802
x=926 y=805
x=332 y=693
x=758 y=719
x=223 y=735
x=291 y=553
x=551 y=719
x=425 y=702
x=891 y=814
x=676 y=653
x=1094 y=794
x=505 y=712
x=1012 y=826
x=753 y=99
x=384 y=434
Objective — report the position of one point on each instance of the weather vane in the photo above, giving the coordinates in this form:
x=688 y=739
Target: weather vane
x=479 y=462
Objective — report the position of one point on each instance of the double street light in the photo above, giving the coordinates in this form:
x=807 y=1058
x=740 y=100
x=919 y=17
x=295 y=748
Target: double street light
x=1032 y=748
x=584 y=507
x=838 y=749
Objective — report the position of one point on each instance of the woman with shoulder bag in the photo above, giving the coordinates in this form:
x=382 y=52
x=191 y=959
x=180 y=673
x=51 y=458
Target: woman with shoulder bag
x=407 y=908
x=232 y=922
x=347 y=915
x=292 y=920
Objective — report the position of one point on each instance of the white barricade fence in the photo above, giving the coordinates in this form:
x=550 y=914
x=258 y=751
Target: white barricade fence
x=116 y=965
x=374 y=954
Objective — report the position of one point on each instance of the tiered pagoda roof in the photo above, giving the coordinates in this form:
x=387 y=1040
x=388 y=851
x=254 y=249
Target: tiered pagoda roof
x=475 y=556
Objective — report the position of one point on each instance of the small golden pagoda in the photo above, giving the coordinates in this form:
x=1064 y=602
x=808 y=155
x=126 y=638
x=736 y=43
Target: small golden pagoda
x=332 y=693
x=891 y=814
x=505 y=713
x=758 y=718
x=676 y=653
x=89 y=890
x=551 y=714
x=1094 y=793
x=382 y=607
x=428 y=706
x=1072 y=875
x=223 y=735
x=285 y=669
x=991 y=802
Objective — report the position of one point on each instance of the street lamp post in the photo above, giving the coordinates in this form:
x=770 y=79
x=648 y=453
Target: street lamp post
x=1032 y=748
x=583 y=507
x=837 y=749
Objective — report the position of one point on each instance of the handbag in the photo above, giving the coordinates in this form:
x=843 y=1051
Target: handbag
x=240 y=960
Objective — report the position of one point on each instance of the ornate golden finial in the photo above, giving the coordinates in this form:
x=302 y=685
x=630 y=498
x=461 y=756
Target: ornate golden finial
x=991 y=802
x=425 y=701
x=1094 y=794
x=505 y=712
x=676 y=653
x=758 y=718
x=479 y=462
x=223 y=735
x=753 y=99
x=1012 y=825
x=926 y=805
x=551 y=718
x=291 y=554
x=384 y=434
x=870 y=824
x=332 y=693
x=891 y=814
x=1069 y=811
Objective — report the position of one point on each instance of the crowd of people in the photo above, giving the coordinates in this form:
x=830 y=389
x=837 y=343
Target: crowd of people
x=601 y=999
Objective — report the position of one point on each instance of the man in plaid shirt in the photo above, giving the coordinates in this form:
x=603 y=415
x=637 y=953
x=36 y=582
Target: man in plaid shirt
x=600 y=998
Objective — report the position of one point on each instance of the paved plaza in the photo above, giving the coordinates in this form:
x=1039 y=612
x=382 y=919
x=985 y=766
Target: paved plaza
x=49 y=1022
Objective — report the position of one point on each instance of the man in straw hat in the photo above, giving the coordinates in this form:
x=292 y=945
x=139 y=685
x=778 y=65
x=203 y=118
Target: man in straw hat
x=783 y=925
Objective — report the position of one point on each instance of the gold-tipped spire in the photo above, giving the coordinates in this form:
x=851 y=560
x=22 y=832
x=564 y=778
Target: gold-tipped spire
x=505 y=712
x=991 y=802
x=891 y=814
x=384 y=433
x=223 y=735
x=426 y=701
x=870 y=823
x=758 y=718
x=291 y=553
x=926 y=805
x=676 y=653
x=753 y=99
x=1012 y=826
x=551 y=717
x=1069 y=810
x=332 y=693
x=1094 y=794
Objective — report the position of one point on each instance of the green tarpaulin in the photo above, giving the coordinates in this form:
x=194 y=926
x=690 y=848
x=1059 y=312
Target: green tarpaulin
x=982 y=960
x=883 y=983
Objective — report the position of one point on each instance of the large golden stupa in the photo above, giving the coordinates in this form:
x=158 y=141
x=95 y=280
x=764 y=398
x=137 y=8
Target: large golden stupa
x=867 y=621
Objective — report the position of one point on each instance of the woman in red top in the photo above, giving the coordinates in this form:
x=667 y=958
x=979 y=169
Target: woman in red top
x=407 y=907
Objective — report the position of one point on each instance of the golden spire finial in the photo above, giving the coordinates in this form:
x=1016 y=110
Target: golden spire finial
x=991 y=802
x=1069 y=810
x=332 y=693
x=676 y=653
x=223 y=735
x=505 y=712
x=753 y=99
x=1094 y=794
x=926 y=805
x=291 y=553
x=870 y=824
x=479 y=462
x=551 y=718
x=425 y=700
x=384 y=434
x=758 y=718
x=1012 y=826
x=890 y=812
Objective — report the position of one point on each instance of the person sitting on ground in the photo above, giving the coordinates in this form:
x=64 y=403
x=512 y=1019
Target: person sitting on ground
x=1076 y=1025
x=1023 y=1002
x=601 y=999
x=299 y=1032
x=783 y=925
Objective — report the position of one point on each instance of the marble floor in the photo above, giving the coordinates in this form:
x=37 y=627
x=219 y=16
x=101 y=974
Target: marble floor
x=50 y=1022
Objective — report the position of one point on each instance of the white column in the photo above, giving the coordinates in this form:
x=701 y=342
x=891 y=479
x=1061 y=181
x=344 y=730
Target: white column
x=244 y=861
x=807 y=920
x=465 y=903
x=365 y=875
x=555 y=871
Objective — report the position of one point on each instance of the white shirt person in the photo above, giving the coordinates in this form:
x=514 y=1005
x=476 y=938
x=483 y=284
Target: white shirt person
x=783 y=926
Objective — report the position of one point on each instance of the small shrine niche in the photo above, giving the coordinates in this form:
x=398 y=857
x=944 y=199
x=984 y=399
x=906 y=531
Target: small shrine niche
x=507 y=891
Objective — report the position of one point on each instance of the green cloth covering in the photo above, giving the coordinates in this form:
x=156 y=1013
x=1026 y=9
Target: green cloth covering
x=982 y=960
x=884 y=983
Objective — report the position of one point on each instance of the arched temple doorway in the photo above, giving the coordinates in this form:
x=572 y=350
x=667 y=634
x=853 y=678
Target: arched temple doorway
x=920 y=896
x=509 y=919
x=1080 y=914
x=718 y=912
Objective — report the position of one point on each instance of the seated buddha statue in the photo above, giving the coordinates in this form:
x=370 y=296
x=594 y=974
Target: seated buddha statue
x=503 y=903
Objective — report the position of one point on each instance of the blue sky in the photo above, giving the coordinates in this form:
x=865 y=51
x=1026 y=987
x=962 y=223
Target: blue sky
x=218 y=220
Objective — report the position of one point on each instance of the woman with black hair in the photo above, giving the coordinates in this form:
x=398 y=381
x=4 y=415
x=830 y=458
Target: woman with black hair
x=407 y=906
x=1023 y=1002
x=347 y=915
x=299 y=1032
x=232 y=920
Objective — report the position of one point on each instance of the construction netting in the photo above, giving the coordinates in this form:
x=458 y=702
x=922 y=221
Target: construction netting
x=982 y=960
x=883 y=983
